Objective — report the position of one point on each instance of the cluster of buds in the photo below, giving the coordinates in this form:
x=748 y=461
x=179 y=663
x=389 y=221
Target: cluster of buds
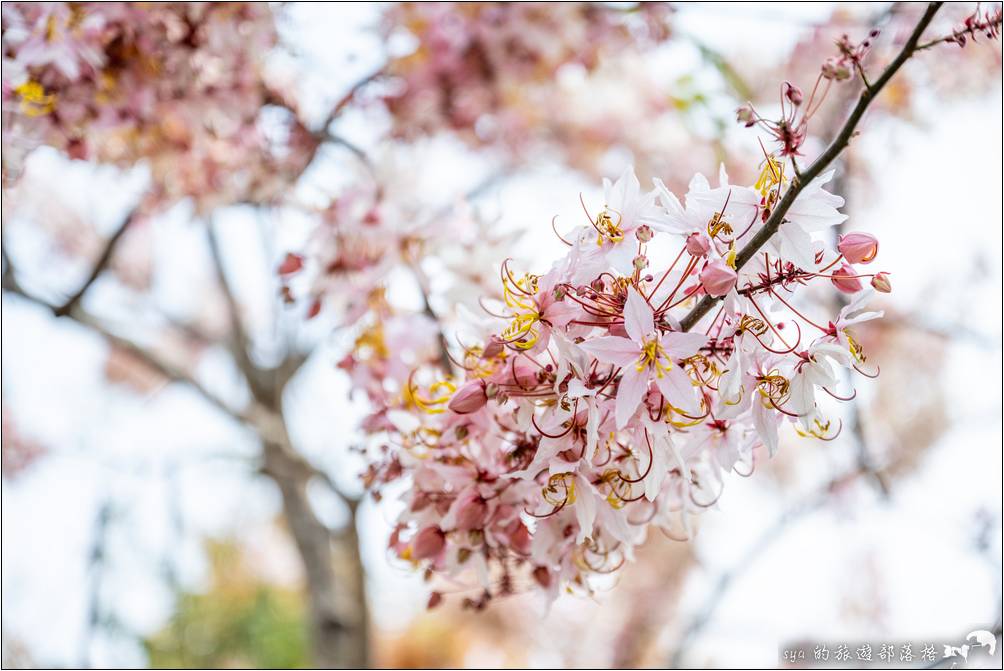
x=587 y=416
x=791 y=130
x=988 y=24
x=848 y=59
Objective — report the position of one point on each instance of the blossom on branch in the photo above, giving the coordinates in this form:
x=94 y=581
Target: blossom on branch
x=587 y=416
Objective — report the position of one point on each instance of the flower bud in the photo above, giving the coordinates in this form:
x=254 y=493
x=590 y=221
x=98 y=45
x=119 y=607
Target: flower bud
x=644 y=233
x=519 y=537
x=473 y=514
x=858 y=247
x=746 y=115
x=469 y=398
x=718 y=278
x=698 y=245
x=845 y=279
x=640 y=263
x=881 y=283
x=428 y=543
x=792 y=93
x=293 y=263
x=835 y=70
x=493 y=348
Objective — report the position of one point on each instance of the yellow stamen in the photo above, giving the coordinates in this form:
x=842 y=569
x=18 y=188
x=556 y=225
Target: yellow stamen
x=820 y=430
x=855 y=348
x=773 y=387
x=370 y=344
x=754 y=325
x=433 y=404
x=608 y=229
x=560 y=489
x=771 y=176
x=523 y=332
x=717 y=224
x=655 y=357
x=34 y=100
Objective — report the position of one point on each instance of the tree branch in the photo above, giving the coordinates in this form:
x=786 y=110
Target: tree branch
x=839 y=143
x=344 y=101
x=99 y=267
x=240 y=345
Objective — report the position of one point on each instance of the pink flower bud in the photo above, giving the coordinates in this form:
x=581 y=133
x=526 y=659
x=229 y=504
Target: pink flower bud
x=521 y=373
x=746 y=115
x=835 y=70
x=473 y=514
x=293 y=263
x=469 y=398
x=519 y=537
x=428 y=543
x=881 y=283
x=493 y=348
x=845 y=279
x=698 y=245
x=718 y=278
x=644 y=233
x=640 y=263
x=792 y=93
x=858 y=247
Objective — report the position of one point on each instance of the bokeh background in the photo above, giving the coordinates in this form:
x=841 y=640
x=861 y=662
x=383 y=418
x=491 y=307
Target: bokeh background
x=145 y=526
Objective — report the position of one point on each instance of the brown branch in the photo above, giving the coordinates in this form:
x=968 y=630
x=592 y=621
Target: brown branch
x=165 y=368
x=423 y=287
x=990 y=27
x=100 y=265
x=240 y=345
x=268 y=424
x=344 y=101
x=839 y=143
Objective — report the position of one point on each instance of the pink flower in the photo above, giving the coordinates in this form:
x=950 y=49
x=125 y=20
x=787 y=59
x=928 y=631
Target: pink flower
x=718 y=278
x=469 y=398
x=698 y=244
x=858 y=247
x=473 y=514
x=428 y=543
x=846 y=279
x=643 y=354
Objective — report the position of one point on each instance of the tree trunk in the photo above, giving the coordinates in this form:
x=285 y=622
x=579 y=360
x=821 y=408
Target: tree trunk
x=336 y=582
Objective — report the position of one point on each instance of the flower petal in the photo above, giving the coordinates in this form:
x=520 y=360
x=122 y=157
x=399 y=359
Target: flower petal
x=612 y=349
x=633 y=385
x=681 y=345
x=678 y=390
x=638 y=320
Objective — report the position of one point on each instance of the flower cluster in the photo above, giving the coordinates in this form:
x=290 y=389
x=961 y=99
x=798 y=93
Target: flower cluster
x=587 y=415
x=486 y=71
x=179 y=85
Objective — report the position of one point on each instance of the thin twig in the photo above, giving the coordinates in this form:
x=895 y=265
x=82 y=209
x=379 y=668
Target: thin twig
x=839 y=143
x=344 y=101
x=99 y=266
x=241 y=342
